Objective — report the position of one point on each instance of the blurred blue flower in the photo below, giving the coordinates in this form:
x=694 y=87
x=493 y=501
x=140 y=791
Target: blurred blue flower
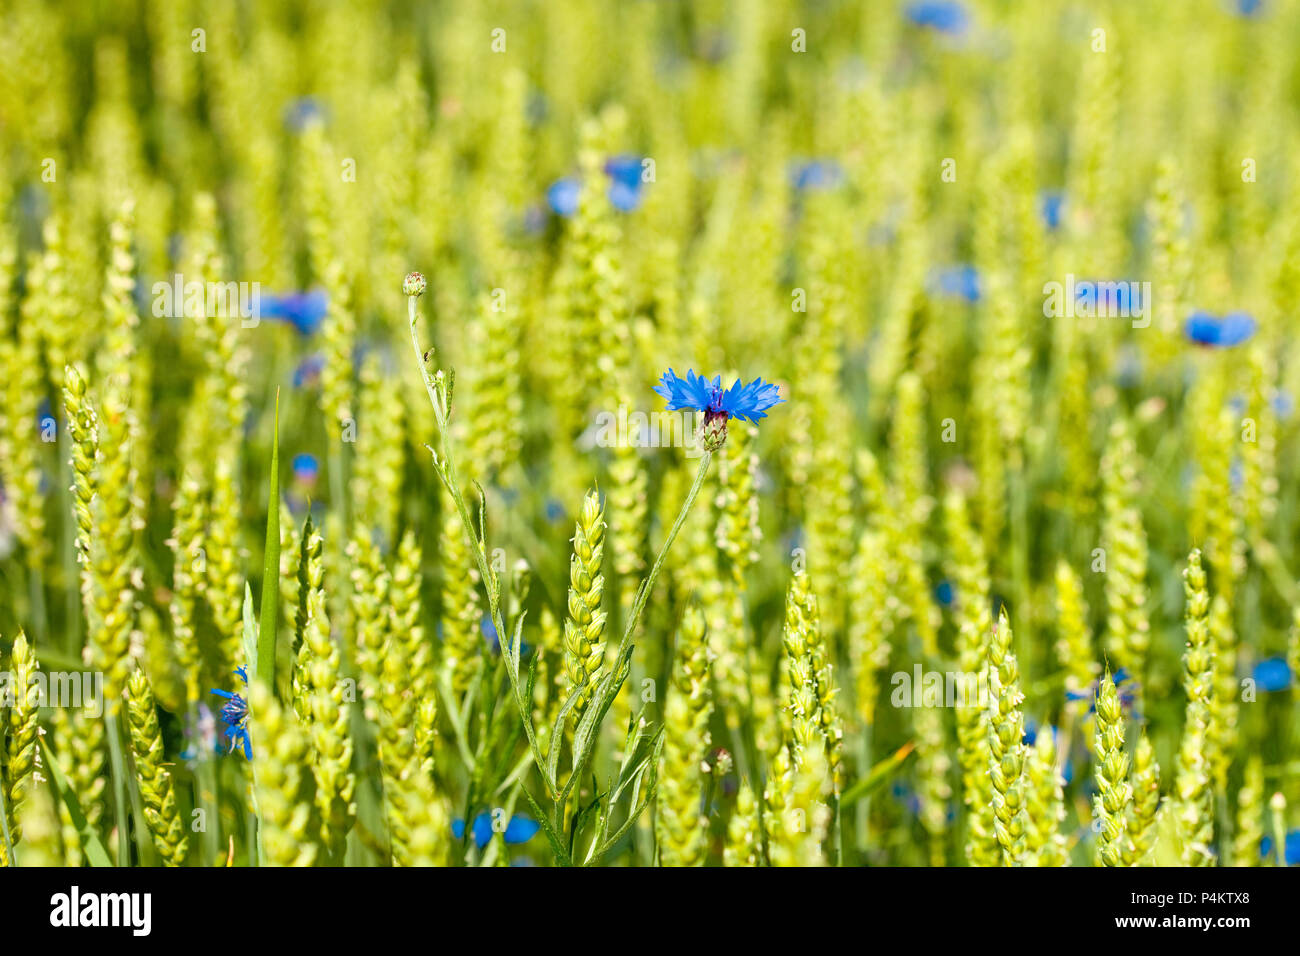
x=306 y=468
x=1052 y=206
x=944 y=593
x=302 y=112
x=1248 y=8
x=1030 y=738
x=944 y=16
x=234 y=714
x=1283 y=404
x=308 y=370
x=749 y=402
x=490 y=633
x=961 y=282
x=625 y=187
x=1273 y=674
x=625 y=170
x=906 y=796
x=623 y=197
x=1290 y=849
x=303 y=310
x=563 y=197
x=816 y=174
x=518 y=830
x=1111 y=297
x=1203 y=328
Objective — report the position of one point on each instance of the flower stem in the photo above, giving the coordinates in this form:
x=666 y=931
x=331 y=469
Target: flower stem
x=119 y=788
x=4 y=828
x=609 y=686
x=439 y=398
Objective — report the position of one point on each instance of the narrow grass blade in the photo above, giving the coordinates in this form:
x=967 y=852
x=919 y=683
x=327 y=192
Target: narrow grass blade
x=90 y=842
x=271 y=566
x=878 y=775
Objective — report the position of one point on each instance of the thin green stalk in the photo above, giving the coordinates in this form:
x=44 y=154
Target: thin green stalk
x=440 y=398
x=606 y=691
x=1020 y=556
x=205 y=789
x=72 y=639
x=144 y=847
x=4 y=825
x=271 y=567
x=36 y=594
x=96 y=855
x=119 y=788
x=446 y=469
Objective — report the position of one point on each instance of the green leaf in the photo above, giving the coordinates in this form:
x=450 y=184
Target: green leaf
x=878 y=775
x=557 y=847
x=271 y=566
x=250 y=631
x=4 y=819
x=90 y=843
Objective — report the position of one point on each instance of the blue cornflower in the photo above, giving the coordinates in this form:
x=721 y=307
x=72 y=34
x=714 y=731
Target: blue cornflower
x=563 y=197
x=816 y=174
x=302 y=112
x=1030 y=739
x=624 y=170
x=944 y=593
x=623 y=197
x=489 y=631
x=1110 y=298
x=1273 y=674
x=1248 y=8
x=906 y=796
x=518 y=830
x=961 y=282
x=234 y=714
x=303 y=310
x=1214 y=331
x=1052 y=205
x=308 y=370
x=1290 y=849
x=306 y=468
x=944 y=16
x=625 y=187
x=749 y=402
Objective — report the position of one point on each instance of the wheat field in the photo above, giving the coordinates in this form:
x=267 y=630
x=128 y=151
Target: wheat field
x=649 y=433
